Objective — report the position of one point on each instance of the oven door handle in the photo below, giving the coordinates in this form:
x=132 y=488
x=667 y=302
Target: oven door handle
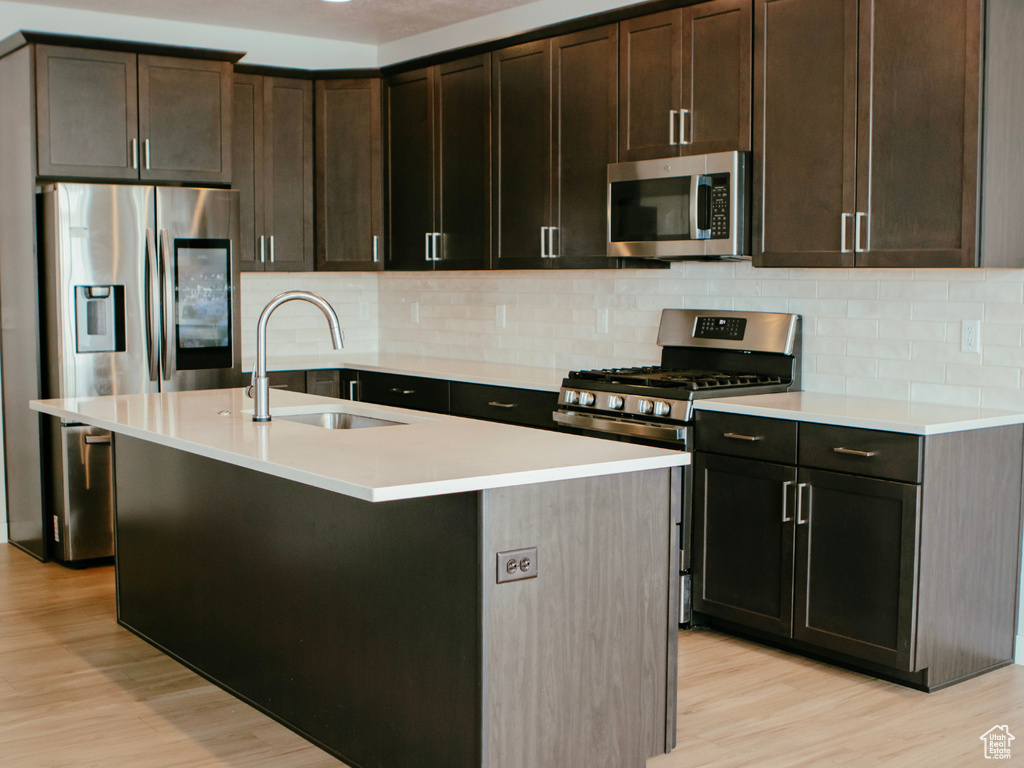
x=629 y=428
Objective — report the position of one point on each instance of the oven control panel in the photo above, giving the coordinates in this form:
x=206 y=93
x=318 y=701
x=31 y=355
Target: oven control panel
x=731 y=328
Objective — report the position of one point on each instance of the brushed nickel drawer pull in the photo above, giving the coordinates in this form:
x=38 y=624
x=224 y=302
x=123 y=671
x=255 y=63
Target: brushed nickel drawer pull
x=747 y=438
x=852 y=452
x=97 y=440
x=398 y=391
x=496 y=404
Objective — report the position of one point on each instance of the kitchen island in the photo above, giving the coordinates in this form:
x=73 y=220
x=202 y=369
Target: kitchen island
x=346 y=581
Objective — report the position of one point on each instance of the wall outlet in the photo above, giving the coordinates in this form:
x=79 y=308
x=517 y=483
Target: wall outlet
x=602 y=321
x=970 y=336
x=364 y=311
x=499 y=315
x=517 y=564
x=414 y=312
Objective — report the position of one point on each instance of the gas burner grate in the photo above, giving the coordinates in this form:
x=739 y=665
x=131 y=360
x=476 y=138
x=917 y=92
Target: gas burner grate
x=658 y=376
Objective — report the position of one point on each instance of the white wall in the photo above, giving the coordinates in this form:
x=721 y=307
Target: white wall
x=267 y=48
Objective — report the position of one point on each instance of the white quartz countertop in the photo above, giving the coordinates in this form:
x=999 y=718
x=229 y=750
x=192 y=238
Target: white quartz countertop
x=863 y=412
x=472 y=372
x=424 y=455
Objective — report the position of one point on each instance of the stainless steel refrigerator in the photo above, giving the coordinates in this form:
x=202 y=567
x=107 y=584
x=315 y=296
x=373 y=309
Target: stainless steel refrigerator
x=139 y=292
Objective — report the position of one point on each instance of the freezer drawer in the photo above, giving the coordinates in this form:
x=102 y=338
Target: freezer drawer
x=83 y=521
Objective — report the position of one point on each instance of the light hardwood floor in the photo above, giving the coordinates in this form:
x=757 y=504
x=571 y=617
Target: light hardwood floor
x=77 y=691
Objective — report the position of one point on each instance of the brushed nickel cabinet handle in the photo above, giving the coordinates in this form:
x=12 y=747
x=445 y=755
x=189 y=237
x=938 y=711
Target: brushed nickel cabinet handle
x=857 y=246
x=375 y=244
x=800 y=520
x=672 y=114
x=682 y=127
x=496 y=404
x=135 y=154
x=146 y=145
x=785 y=501
x=398 y=391
x=852 y=452
x=843 y=247
x=746 y=438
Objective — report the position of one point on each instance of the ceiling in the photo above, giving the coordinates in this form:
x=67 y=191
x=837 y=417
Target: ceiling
x=370 y=22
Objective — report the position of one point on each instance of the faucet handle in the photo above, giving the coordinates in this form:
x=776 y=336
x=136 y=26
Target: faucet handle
x=252 y=383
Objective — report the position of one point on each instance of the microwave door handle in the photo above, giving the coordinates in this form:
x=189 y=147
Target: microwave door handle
x=167 y=299
x=149 y=272
x=702 y=208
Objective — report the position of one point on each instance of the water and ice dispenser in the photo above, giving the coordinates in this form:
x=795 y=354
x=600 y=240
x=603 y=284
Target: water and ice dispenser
x=99 y=318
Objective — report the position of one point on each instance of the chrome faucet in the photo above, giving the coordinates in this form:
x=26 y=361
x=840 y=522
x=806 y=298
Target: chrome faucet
x=260 y=389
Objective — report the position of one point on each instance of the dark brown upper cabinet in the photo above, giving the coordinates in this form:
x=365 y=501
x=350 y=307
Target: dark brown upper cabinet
x=438 y=123
x=555 y=122
x=866 y=133
x=273 y=145
x=349 y=177
x=112 y=116
x=685 y=81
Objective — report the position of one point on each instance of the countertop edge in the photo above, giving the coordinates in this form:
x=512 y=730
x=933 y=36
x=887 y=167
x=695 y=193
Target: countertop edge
x=821 y=416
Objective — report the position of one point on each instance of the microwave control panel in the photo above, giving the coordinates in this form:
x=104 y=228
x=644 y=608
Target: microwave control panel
x=720 y=206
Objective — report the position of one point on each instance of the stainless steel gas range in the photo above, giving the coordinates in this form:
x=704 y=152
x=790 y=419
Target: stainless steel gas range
x=705 y=353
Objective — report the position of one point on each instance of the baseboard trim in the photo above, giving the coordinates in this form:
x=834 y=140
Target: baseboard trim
x=1018 y=647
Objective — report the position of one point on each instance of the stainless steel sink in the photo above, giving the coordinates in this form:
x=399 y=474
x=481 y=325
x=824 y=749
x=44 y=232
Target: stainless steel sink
x=336 y=420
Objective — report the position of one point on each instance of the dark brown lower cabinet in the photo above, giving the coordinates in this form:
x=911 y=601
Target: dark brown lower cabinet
x=856 y=566
x=744 y=541
x=893 y=553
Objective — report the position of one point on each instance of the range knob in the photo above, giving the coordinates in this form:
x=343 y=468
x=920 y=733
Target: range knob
x=614 y=402
x=586 y=398
x=645 y=407
x=661 y=408
x=571 y=397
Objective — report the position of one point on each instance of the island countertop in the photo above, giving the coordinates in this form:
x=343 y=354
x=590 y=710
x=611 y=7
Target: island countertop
x=423 y=455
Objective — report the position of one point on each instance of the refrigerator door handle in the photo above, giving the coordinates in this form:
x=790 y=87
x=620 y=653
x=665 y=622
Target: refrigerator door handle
x=150 y=269
x=167 y=298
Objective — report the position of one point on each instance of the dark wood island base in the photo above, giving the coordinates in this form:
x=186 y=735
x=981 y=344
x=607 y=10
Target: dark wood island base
x=378 y=630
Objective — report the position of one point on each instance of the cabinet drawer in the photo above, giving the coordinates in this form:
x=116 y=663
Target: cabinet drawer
x=751 y=437
x=888 y=455
x=527 y=407
x=414 y=392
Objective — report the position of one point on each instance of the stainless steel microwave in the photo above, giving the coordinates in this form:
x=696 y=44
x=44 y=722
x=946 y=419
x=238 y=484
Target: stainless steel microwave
x=680 y=207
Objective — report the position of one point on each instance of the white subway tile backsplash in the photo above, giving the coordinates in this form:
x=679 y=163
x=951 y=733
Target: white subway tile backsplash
x=877 y=333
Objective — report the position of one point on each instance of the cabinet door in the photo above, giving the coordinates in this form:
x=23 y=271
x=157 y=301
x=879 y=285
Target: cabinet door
x=87 y=113
x=288 y=174
x=716 y=77
x=410 y=142
x=325 y=383
x=463 y=171
x=697 y=59
x=585 y=140
x=348 y=175
x=247 y=167
x=650 y=85
x=743 y=541
x=185 y=119
x=805 y=132
x=856 y=566
x=918 y=145
x=521 y=100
